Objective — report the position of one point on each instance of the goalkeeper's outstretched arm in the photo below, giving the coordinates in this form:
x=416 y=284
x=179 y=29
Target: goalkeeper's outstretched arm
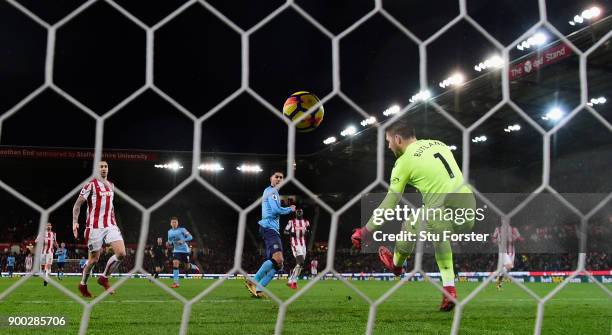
x=397 y=184
x=389 y=202
x=399 y=179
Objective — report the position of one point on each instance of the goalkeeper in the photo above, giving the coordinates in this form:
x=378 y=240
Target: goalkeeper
x=429 y=166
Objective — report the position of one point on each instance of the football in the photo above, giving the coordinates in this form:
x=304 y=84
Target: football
x=299 y=103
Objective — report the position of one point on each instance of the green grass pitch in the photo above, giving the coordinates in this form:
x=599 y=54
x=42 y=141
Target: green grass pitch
x=330 y=307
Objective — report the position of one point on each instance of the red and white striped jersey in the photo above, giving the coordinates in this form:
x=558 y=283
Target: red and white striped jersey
x=298 y=229
x=314 y=264
x=28 y=262
x=100 y=210
x=511 y=233
x=49 y=242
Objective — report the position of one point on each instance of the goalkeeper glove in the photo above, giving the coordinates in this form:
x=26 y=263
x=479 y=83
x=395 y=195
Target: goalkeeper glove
x=360 y=237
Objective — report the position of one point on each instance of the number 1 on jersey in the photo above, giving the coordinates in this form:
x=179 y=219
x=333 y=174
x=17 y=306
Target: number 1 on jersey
x=446 y=166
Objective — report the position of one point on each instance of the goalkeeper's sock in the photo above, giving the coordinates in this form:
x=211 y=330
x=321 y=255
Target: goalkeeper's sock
x=445 y=264
x=175 y=275
x=399 y=258
x=263 y=270
x=266 y=280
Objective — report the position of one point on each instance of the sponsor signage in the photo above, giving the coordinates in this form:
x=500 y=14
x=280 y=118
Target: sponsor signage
x=540 y=59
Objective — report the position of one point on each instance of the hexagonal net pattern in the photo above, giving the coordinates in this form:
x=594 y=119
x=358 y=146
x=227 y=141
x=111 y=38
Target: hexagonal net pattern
x=337 y=91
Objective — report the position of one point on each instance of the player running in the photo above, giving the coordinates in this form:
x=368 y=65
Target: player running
x=158 y=254
x=178 y=238
x=314 y=265
x=297 y=228
x=49 y=244
x=271 y=210
x=10 y=265
x=429 y=166
x=511 y=235
x=62 y=255
x=28 y=262
x=101 y=227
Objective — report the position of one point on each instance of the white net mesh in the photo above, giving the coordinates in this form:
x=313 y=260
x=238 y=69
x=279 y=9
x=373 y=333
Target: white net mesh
x=336 y=92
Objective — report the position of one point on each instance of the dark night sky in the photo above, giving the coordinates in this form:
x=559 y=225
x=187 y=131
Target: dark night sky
x=100 y=60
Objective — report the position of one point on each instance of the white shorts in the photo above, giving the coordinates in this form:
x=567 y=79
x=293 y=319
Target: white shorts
x=313 y=272
x=96 y=238
x=46 y=259
x=299 y=250
x=508 y=259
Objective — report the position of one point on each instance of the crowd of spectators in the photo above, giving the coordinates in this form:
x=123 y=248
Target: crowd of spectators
x=345 y=261
x=214 y=250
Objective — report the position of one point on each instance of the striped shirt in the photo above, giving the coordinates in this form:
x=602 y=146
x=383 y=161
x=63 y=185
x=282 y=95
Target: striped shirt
x=314 y=264
x=100 y=210
x=28 y=262
x=298 y=229
x=511 y=234
x=49 y=242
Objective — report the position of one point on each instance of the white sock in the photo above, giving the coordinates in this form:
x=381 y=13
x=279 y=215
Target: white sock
x=111 y=265
x=86 y=275
x=296 y=272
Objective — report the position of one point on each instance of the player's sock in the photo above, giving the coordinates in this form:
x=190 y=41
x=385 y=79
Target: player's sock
x=266 y=280
x=111 y=265
x=85 y=275
x=445 y=264
x=263 y=270
x=290 y=278
x=175 y=275
x=295 y=273
x=46 y=277
x=155 y=274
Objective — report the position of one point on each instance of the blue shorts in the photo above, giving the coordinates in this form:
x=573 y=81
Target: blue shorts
x=272 y=241
x=181 y=256
x=60 y=265
x=10 y=268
